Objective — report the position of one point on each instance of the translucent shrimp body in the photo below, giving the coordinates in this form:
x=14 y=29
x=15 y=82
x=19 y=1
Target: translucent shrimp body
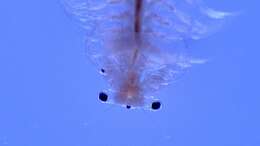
x=139 y=43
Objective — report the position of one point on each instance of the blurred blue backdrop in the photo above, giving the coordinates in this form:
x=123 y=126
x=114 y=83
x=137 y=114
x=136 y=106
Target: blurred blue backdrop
x=48 y=89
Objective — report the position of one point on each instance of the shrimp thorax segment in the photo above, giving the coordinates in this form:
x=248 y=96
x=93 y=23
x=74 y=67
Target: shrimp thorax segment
x=128 y=57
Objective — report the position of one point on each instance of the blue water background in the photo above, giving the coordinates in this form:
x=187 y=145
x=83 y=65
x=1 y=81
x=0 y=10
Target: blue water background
x=48 y=88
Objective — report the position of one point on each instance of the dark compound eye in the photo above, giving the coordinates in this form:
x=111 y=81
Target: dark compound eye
x=128 y=106
x=102 y=70
x=156 y=105
x=103 y=96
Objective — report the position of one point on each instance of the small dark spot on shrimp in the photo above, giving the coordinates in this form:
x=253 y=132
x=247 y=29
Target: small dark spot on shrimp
x=103 y=96
x=102 y=70
x=156 y=105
